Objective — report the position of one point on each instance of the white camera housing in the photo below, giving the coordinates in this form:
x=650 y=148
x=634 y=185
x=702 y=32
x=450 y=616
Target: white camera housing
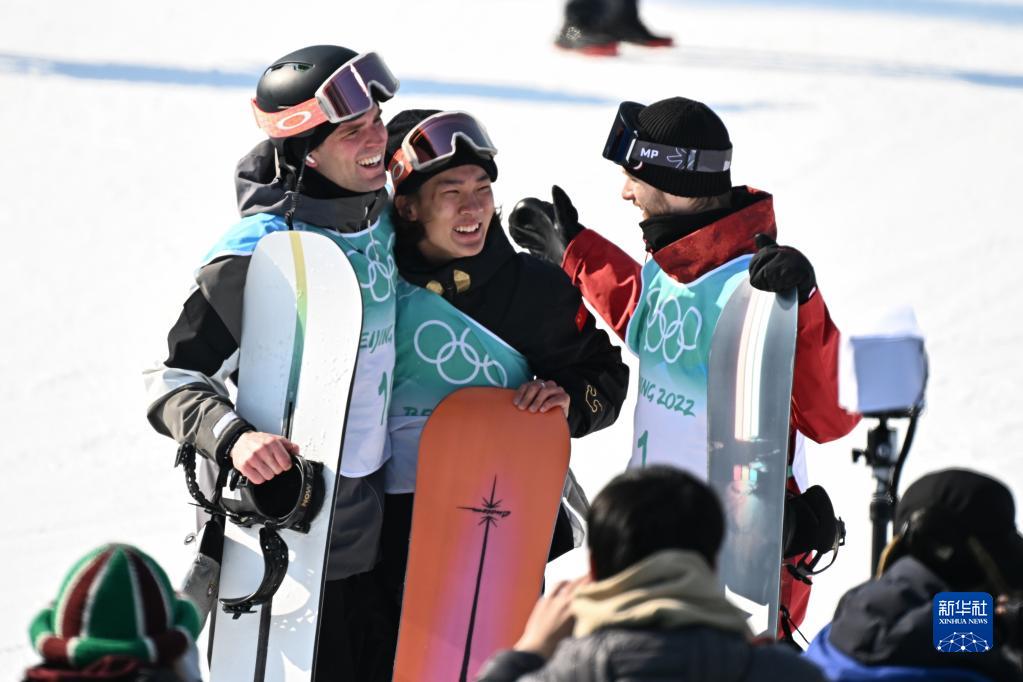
x=883 y=366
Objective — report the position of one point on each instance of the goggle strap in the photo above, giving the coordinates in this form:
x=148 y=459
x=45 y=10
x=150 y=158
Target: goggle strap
x=399 y=167
x=291 y=121
x=679 y=158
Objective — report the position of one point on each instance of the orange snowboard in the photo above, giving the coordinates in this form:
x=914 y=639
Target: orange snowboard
x=488 y=487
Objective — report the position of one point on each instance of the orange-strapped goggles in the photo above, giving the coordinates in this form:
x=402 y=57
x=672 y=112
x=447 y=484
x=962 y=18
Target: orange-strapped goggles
x=348 y=93
x=434 y=141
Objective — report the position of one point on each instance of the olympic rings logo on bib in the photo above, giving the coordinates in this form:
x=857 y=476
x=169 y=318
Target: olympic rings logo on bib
x=380 y=279
x=456 y=360
x=668 y=329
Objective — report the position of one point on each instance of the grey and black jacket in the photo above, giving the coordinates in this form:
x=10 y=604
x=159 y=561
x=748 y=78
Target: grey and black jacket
x=664 y=617
x=694 y=654
x=190 y=392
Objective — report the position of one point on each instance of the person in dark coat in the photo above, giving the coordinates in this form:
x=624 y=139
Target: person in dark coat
x=596 y=27
x=652 y=607
x=955 y=532
x=474 y=312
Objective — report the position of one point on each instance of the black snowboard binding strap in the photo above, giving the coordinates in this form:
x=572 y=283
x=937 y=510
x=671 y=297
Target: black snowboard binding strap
x=288 y=501
x=275 y=567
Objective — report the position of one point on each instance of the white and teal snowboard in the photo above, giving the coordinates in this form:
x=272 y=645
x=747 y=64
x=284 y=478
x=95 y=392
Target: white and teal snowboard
x=749 y=397
x=302 y=319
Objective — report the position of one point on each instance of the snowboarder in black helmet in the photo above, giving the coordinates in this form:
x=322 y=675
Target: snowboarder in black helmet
x=321 y=169
x=301 y=100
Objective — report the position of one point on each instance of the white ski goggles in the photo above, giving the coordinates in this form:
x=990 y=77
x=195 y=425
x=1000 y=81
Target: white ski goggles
x=348 y=93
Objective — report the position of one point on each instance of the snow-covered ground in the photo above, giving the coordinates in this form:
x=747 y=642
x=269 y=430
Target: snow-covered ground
x=889 y=133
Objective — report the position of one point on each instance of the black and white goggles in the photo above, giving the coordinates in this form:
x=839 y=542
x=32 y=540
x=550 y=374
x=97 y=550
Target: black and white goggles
x=625 y=148
x=348 y=93
x=435 y=140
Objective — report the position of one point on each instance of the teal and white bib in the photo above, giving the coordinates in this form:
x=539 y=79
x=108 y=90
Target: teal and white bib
x=439 y=350
x=671 y=331
x=371 y=253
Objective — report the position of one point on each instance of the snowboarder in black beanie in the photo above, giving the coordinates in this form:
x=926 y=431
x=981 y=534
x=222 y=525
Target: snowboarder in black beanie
x=701 y=233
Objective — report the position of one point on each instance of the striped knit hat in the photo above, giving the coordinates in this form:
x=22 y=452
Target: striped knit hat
x=115 y=601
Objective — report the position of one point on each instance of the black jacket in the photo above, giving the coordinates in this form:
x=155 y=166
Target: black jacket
x=533 y=307
x=888 y=622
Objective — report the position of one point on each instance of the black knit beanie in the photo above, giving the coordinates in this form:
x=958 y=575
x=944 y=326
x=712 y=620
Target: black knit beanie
x=684 y=123
x=400 y=126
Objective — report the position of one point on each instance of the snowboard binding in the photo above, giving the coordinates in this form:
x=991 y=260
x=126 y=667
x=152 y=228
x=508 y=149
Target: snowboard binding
x=289 y=501
x=810 y=531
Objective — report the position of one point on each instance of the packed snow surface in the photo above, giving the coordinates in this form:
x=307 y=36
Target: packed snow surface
x=889 y=134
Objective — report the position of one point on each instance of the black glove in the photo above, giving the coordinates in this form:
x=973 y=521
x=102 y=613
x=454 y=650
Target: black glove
x=545 y=229
x=781 y=268
x=810 y=523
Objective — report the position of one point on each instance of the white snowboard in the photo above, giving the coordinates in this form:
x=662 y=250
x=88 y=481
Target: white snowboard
x=302 y=319
x=749 y=393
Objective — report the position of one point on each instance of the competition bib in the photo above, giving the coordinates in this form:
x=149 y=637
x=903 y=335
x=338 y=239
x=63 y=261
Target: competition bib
x=371 y=254
x=671 y=331
x=439 y=350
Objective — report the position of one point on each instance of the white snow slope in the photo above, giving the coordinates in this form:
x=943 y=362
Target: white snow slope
x=888 y=132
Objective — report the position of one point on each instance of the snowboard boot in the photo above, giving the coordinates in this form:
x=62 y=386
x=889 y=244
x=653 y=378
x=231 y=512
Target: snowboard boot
x=633 y=30
x=586 y=41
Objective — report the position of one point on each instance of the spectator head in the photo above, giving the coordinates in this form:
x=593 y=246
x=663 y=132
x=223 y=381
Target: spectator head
x=962 y=525
x=115 y=604
x=644 y=511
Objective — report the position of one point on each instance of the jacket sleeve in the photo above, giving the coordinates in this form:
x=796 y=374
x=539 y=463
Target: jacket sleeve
x=188 y=393
x=570 y=350
x=510 y=665
x=587 y=658
x=815 y=409
x=608 y=278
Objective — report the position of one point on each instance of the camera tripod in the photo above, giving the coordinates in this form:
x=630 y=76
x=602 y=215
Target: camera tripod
x=880 y=455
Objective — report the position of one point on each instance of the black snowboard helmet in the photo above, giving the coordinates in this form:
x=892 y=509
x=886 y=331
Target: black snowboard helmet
x=293 y=79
